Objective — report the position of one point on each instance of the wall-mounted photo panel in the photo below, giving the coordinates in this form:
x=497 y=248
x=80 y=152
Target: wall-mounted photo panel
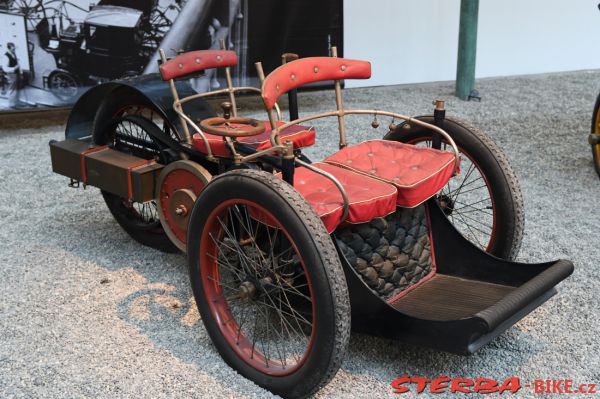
x=66 y=47
x=14 y=31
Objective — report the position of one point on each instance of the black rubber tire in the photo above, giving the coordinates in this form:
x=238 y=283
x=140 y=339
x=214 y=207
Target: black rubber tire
x=149 y=234
x=505 y=190
x=596 y=130
x=322 y=264
x=152 y=236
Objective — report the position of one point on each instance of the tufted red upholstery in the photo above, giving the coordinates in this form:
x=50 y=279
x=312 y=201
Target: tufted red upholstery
x=196 y=61
x=300 y=136
x=418 y=173
x=308 y=70
x=369 y=198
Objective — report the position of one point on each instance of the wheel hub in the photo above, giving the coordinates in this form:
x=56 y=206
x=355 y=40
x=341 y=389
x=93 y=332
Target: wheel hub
x=252 y=288
x=446 y=203
x=247 y=290
x=182 y=201
x=178 y=187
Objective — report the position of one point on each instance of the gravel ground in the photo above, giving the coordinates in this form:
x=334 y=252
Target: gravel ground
x=87 y=312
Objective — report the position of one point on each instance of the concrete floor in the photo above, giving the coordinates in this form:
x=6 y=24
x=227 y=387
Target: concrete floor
x=87 y=312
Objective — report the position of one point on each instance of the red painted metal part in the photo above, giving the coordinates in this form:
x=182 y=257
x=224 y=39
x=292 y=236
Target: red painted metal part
x=129 y=179
x=83 y=154
x=176 y=180
x=215 y=297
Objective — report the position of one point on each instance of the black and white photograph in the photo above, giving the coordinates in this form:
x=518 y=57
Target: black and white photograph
x=63 y=47
x=15 y=68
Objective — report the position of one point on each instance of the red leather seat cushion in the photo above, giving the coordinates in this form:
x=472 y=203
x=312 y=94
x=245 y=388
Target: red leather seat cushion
x=300 y=136
x=418 y=172
x=369 y=198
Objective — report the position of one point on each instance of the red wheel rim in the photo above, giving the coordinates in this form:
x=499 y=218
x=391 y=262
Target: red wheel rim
x=287 y=344
x=467 y=222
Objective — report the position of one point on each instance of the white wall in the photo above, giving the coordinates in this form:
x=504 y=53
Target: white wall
x=411 y=41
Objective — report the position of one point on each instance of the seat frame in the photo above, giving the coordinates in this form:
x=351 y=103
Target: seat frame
x=285 y=78
x=200 y=61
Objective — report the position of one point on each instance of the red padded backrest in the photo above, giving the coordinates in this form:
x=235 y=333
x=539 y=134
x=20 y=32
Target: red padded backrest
x=196 y=61
x=309 y=70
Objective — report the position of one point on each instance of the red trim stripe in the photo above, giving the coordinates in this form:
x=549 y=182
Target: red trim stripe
x=82 y=157
x=129 y=179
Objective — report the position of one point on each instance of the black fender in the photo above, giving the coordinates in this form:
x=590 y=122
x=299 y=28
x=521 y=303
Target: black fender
x=97 y=106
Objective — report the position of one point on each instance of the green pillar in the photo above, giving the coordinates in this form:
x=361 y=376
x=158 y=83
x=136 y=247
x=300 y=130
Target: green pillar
x=467 y=48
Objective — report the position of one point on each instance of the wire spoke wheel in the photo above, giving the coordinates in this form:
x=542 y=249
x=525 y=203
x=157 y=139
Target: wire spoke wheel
x=148 y=113
x=259 y=292
x=33 y=10
x=130 y=134
x=467 y=200
x=484 y=201
x=268 y=282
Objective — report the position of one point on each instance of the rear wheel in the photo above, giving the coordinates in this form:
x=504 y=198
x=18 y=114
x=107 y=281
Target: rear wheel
x=268 y=283
x=484 y=201
x=131 y=135
x=594 y=138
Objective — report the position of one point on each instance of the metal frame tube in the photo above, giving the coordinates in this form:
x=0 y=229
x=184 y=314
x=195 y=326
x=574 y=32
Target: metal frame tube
x=334 y=180
x=340 y=106
x=176 y=104
x=408 y=119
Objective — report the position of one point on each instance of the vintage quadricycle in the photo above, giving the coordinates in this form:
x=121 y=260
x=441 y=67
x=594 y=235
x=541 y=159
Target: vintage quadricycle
x=411 y=236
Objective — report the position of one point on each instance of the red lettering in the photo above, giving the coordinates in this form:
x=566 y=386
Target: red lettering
x=461 y=385
x=592 y=388
x=512 y=384
x=398 y=384
x=538 y=386
x=439 y=385
x=568 y=386
x=421 y=383
x=556 y=386
x=486 y=385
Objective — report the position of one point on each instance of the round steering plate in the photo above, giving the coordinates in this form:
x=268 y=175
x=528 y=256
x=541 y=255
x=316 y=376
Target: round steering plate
x=179 y=184
x=232 y=127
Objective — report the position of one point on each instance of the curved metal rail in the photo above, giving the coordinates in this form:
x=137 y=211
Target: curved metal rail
x=275 y=133
x=334 y=180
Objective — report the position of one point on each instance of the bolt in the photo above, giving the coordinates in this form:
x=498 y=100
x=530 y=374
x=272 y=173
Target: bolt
x=181 y=210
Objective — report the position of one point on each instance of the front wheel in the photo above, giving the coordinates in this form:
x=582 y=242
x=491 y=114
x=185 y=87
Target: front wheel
x=268 y=283
x=484 y=201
